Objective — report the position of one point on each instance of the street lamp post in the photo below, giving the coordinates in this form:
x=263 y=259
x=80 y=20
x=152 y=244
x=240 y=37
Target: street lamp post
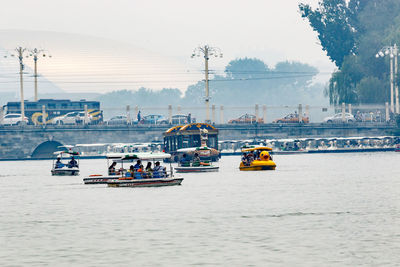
x=207 y=51
x=21 y=51
x=35 y=53
x=392 y=52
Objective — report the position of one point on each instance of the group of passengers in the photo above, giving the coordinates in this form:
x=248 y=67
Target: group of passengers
x=185 y=161
x=248 y=158
x=138 y=171
x=71 y=164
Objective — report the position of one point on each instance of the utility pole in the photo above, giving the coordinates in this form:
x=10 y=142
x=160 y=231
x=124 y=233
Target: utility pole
x=35 y=53
x=207 y=51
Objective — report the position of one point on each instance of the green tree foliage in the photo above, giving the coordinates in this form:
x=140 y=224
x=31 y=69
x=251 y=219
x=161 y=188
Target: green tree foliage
x=252 y=80
x=352 y=32
x=332 y=21
x=245 y=82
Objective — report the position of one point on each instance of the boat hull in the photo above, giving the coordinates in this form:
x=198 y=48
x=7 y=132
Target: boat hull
x=257 y=168
x=65 y=172
x=258 y=165
x=145 y=182
x=98 y=179
x=197 y=169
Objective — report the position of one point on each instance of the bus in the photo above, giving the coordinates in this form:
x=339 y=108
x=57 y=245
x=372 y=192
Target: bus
x=54 y=108
x=188 y=136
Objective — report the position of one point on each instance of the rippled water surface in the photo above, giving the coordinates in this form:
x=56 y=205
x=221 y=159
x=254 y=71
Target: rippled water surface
x=314 y=210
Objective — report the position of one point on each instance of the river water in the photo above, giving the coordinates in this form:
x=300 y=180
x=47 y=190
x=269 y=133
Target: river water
x=314 y=210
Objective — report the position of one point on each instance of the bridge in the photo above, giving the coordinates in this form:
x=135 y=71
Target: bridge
x=19 y=142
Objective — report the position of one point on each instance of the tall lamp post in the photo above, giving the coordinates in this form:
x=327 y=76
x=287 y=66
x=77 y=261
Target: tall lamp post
x=35 y=53
x=392 y=52
x=207 y=51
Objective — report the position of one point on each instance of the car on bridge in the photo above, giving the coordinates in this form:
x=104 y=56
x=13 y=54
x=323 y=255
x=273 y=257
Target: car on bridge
x=246 y=118
x=152 y=119
x=13 y=119
x=178 y=119
x=74 y=117
x=292 y=118
x=337 y=118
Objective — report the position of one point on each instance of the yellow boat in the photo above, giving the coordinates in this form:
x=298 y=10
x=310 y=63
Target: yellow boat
x=264 y=162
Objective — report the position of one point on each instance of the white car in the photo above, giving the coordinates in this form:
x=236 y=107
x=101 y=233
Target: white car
x=13 y=119
x=72 y=118
x=338 y=118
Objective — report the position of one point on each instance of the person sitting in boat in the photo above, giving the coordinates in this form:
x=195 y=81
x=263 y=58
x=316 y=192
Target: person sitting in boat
x=196 y=160
x=158 y=171
x=139 y=173
x=138 y=164
x=250 y=157
x=149 y=170
x=111 y=169
x=130 y=172
x=59 y=164
x=184 y=161
x=72 y=163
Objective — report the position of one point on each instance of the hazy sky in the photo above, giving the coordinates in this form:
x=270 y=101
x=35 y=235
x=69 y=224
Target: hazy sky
x=271 y=30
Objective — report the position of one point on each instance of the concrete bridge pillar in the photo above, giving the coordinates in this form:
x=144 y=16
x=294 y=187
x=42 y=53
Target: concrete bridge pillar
x=300 y=113
x=343 y=112
x=1 y=114
x=256 y=109
x=128 y=114
x=44 y=115
x=179 y=108
x=221 y=115
x=308 y=112
x=85 y=120
x=136 y=111
x=213 y=113
x=350 y=108
x=265 y=113
x=170 y=114
x=387 y=112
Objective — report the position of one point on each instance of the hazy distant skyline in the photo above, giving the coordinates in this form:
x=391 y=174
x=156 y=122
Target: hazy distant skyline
x=270 y=30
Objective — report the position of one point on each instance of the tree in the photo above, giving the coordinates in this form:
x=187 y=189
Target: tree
x=352 y=32
x=332 y=20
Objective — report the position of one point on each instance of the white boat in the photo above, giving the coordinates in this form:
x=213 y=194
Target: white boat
x=210 y=168
x=199 y=166
x=120 y=178
x=141 y=178
x=65 y=169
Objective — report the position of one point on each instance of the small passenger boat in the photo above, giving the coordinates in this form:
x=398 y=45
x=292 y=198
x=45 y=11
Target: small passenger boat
x=195 y=165
x=112 y=173
x=261 y=161
x=159 y=176
x=65 y=169
x=121 y=177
